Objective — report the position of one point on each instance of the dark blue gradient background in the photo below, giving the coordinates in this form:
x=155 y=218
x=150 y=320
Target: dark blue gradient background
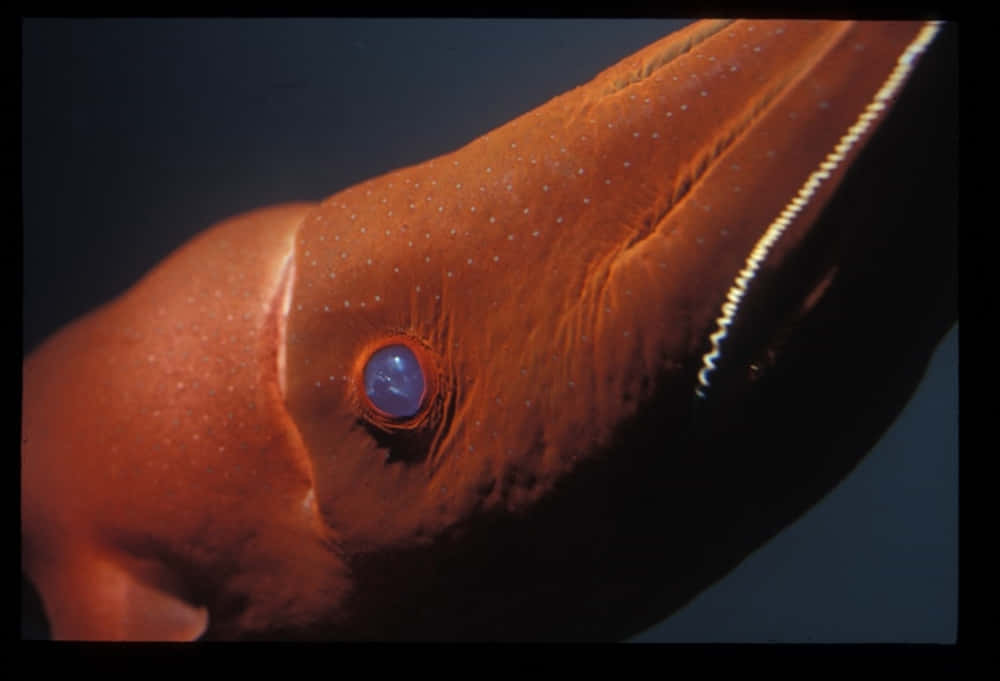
x=138 y=134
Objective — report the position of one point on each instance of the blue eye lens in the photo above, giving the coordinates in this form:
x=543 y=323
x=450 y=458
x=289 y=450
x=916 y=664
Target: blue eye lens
x=394 y=381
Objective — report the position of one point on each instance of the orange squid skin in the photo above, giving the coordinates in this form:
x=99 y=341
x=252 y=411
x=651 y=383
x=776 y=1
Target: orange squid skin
x=202 y=326
x=137 y=520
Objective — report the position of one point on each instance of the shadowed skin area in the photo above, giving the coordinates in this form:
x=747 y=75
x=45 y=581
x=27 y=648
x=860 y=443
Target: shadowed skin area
x=513 y=490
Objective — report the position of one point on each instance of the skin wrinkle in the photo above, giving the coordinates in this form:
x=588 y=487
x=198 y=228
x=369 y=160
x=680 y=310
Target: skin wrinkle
x=653 y=61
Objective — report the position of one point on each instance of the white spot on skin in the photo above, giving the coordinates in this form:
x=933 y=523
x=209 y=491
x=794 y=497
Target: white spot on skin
x=309 y=501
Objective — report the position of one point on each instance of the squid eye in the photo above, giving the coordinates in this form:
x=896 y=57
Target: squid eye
x=394 y=381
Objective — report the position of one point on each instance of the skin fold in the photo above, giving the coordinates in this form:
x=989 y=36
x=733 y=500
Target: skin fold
x=369 y=529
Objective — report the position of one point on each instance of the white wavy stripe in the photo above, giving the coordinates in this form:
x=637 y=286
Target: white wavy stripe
x=763 y=247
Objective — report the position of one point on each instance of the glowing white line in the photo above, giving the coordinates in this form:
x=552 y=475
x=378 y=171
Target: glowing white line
x=763 y=247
